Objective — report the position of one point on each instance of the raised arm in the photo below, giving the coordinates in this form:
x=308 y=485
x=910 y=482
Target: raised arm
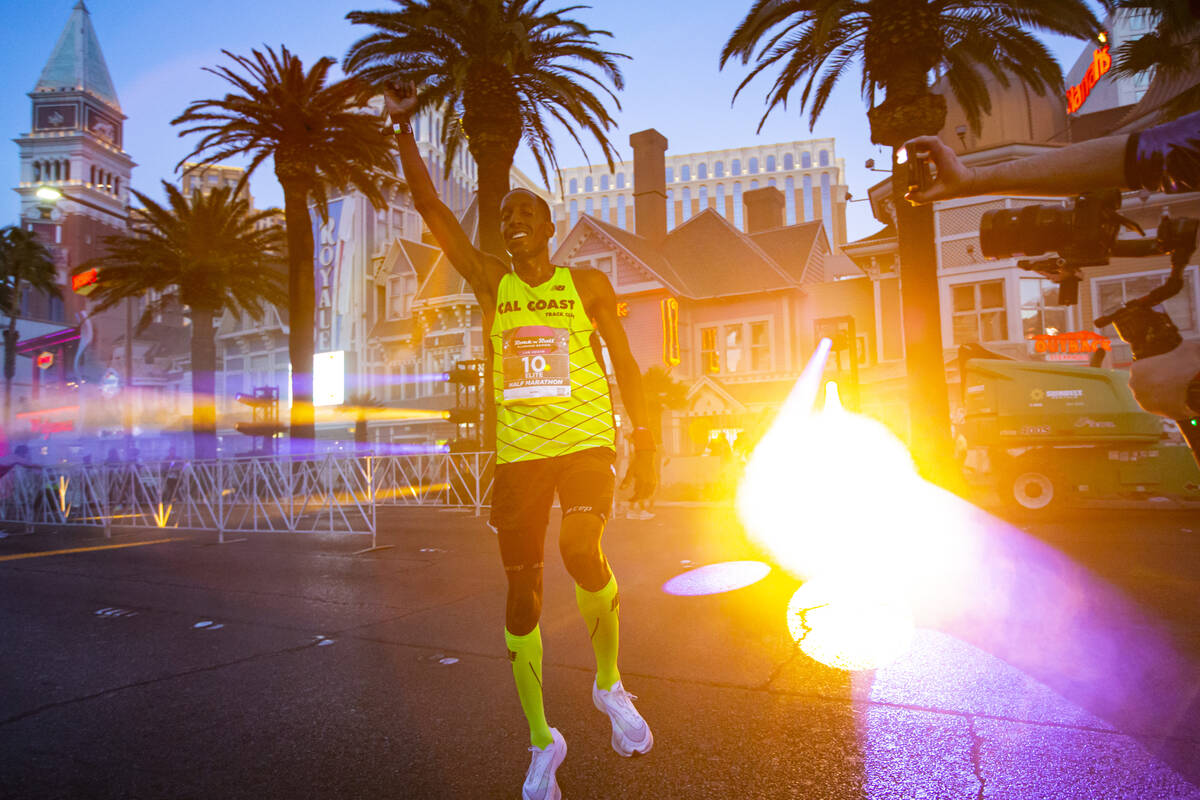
x=482 y=270
x=601 y=305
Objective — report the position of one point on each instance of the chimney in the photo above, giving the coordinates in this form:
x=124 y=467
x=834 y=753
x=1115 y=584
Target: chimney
x=764 y=209
x=650 y=184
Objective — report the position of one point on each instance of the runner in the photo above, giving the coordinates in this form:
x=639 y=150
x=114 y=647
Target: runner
x=554 y=432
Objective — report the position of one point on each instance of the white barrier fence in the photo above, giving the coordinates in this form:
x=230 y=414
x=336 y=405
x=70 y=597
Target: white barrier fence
x=328 y=494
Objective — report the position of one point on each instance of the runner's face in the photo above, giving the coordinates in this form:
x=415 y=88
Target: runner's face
x=523 y=224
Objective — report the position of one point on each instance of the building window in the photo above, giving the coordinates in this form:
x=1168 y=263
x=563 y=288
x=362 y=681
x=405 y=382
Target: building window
x=1112 y=293
x=789 y=199
x=670 y=209
x=736 y=167
x=788 y=162
x=685 y=173
x=703 y=197
x=760 y=347
x=604 y=209
x=604 y=183
x=979 y=312
x=620 y=180
x=710 y=363
x=573 y=186
x=735 y=355
x=719 y=169
x=805 y=160
x=753 y=185
x=826 y=198
x=589 y=207
x=737 y=205
x=587 y=184
x=398 y=299
x=823 y=158
x=753 y=168
x=702 y=171
x=721 y=199
x=687 y=203
x=770 y=163
x=771 y=182
x=1040 y=311
x=621 y=211
x=670 y=175
x=806 y=190
x=574 y=212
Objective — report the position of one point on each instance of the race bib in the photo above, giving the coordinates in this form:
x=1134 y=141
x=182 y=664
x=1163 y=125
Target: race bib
x=537 y=364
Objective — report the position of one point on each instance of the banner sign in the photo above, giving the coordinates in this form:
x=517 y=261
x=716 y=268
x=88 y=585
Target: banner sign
x=1101 y=63
x=1072 y=346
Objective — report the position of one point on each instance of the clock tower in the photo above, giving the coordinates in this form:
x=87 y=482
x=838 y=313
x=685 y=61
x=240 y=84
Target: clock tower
x=75 y=148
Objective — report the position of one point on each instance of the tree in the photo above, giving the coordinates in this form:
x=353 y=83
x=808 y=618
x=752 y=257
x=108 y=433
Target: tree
x=1170 y=51
x=23 y=259
x=321 y=138
x=899 y=44
x=500 y=71
x=206 y=255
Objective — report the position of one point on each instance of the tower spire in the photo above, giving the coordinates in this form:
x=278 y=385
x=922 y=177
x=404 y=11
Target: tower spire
x=76 y=63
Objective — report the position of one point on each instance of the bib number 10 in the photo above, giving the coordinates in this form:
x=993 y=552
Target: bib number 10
x=534 y=364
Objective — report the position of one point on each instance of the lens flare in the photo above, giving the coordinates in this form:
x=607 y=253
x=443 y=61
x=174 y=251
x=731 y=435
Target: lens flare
x=850 y=626
x=717 y=578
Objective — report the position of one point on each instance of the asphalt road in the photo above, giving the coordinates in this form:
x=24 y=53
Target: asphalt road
x=291 y=667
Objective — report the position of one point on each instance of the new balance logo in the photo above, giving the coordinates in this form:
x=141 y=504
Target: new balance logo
x=512 y=656
x=560 y=287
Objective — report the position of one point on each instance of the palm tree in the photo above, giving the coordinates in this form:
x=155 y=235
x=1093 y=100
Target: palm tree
x=1171 y=50
x=207 y=255
x=321 y=139
x=23 y=259
x=901 y=44
x=500 y=71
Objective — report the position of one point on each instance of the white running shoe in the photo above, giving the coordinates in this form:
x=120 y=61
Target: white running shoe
x=540 y=781
x=631 y=734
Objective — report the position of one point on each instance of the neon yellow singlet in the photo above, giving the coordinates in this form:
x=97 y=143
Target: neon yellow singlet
x=551 y=395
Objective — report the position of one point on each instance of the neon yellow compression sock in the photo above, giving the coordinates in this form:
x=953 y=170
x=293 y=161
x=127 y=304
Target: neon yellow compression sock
x=525 y=653
x=601 y=612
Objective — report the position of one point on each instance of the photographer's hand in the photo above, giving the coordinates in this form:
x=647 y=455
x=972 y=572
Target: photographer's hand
x=1160 y=383
x=400 y=100
x=954 y=179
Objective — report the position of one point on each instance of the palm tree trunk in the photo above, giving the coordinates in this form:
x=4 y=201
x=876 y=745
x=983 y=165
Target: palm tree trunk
x=10 y=348
x=493 y=168
x=204 y=365
x=301 y=315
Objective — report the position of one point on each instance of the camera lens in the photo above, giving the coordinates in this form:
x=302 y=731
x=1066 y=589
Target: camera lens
x=1029 y=231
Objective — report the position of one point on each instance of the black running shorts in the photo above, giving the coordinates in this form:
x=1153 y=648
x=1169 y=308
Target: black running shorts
x=523 y=492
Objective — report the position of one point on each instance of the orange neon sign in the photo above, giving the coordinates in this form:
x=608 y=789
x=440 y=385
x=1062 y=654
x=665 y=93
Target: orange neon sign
x=1070 y=346
x=45 y=360
x=84 y=282
x=1101 y=63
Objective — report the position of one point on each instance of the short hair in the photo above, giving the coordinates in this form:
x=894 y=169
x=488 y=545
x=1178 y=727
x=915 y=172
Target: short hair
x=541 y=201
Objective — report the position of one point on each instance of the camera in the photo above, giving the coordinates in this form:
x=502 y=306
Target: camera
x=1082 y=234
x=920 y=170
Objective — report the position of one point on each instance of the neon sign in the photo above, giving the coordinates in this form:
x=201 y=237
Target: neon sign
x=1101 y=63
x=85 y=282
x=45 y=360
x=1072 y=346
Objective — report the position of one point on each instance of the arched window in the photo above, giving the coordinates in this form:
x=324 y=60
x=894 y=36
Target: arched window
x=573 y=186
x=789 y=199
x=670 y=175
x=807 y=193
x=703 y=197
x=670 y=209
x=805 y=160
x=702 y=171
x=770 y=163
x=588 y=186
x=789 y=163
x=620 y=180
x=826 y=203
x=573 y=212
x=589 y=207
x=604 y=209
x=719 y=169
x=823 y=158
x=604 y=183
x=687 y=204
x=37 y=171
x=685 y=173
x=737 y=205
x=621 y=212
x=753 y=169
x=735 y=167
x=721 y=199
x=753 y=185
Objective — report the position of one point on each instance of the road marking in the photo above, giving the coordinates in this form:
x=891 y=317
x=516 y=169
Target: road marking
x=16 y=556
x=111 y=612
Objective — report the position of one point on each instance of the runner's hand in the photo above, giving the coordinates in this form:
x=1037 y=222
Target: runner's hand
x=1160 y=383
x=400 y=100
x=953 y=177
x=644 y=479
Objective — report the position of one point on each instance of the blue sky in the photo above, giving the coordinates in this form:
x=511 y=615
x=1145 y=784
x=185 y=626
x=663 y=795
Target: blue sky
x=156 y=50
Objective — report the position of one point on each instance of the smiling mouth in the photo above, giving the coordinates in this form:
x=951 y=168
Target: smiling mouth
x=518 y=235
